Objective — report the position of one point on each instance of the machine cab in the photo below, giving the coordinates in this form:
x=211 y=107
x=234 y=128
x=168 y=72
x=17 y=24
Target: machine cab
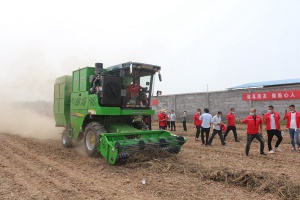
x=128 y=85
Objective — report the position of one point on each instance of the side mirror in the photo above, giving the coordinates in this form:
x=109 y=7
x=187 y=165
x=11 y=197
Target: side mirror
x=158 y=93
x=159 y=77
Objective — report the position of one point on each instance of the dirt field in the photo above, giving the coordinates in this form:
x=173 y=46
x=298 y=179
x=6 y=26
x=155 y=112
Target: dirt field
x=43 y=169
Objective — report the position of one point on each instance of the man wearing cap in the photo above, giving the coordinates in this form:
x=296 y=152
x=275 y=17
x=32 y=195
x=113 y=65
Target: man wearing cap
x=162 y=119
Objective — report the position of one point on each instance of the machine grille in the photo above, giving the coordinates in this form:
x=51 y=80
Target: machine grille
x=83 y=101
x=92 y=101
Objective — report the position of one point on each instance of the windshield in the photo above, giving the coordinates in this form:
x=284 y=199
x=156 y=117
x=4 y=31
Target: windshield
x=136 y=88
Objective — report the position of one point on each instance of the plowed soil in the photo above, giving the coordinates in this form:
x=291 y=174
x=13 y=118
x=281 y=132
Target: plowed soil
x=43 y=169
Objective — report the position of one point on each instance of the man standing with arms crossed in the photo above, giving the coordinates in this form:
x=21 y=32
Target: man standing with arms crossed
x=271 y=118
x=231 y=125
x=293 y=124
x=254 y=122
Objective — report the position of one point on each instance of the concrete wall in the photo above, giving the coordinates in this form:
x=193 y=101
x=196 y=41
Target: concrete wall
x=223 y=101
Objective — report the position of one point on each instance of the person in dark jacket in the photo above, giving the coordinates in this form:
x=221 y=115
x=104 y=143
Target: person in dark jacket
x=183 y=116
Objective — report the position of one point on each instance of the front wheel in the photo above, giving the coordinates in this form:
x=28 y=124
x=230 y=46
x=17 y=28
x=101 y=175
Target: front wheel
x=91 y=138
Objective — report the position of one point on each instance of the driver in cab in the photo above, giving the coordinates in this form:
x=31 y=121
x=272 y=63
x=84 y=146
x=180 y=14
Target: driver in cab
x=134 y=93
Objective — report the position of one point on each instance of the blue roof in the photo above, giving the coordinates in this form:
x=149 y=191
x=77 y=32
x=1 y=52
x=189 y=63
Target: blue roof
x=266 y=83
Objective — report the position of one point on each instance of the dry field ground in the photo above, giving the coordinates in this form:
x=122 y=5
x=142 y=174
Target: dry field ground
x=43 y=169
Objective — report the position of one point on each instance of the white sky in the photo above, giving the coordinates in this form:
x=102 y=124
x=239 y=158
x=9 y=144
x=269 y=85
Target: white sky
x=222 y=43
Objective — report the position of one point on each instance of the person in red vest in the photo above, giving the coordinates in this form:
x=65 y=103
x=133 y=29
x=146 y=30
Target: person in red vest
x=254 y=122
x=231 y=125
x=167 y=120
x=293 y=124
x=162 y=119
x=197 y=123
x=272 y=118
x=135 y=93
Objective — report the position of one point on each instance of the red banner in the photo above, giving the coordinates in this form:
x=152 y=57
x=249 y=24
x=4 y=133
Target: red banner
x=154 y=102
x=275 y=95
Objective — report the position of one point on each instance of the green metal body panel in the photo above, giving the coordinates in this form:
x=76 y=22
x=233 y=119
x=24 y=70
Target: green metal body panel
x=79 y=100
x=77 y=118
x=116 y=111
x=120 y=128
x=75 y=81
x=61 y=104
x=81 y=79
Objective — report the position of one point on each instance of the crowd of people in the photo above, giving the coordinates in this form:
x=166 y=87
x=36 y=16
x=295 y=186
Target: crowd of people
x=254 y=122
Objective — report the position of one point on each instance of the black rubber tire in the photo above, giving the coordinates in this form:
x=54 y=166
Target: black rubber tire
x=91 y=138
x=66 y=139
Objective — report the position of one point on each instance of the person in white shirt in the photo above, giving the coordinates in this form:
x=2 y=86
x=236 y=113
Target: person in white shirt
x=206 y=119
x=217 y=122
x=173 y=119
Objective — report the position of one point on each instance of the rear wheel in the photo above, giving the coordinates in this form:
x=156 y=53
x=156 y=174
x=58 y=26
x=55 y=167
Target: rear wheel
x=66 y=139
x=91 y=138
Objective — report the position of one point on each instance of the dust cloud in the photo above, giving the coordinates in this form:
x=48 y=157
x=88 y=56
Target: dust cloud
x=27 y=87
x=26 y=122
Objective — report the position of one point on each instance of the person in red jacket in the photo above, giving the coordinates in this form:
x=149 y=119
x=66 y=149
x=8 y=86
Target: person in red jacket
x=197 y=123
x=162 y=119
x=293 y=124
x=231 y=125
x=272 y=118
x=254 y=122
x=167 y=119
x=133 y=91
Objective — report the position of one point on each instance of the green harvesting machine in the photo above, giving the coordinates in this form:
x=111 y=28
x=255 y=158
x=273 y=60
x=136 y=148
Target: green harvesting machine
x=110 y=110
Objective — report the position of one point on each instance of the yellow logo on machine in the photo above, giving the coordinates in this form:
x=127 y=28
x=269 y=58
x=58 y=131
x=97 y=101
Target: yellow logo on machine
x=76 y=115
